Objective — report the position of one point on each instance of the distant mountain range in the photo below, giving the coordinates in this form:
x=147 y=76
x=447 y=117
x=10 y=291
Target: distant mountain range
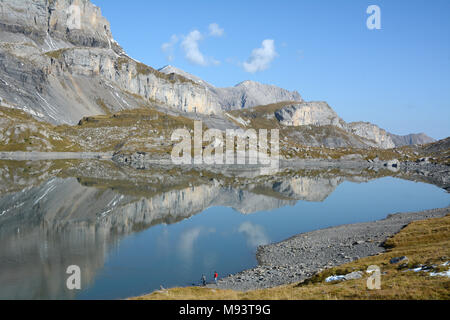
x=411 y=139
x=60 y=72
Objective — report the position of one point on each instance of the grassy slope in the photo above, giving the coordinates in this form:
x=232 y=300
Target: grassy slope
x=149 y=130
x=423 y=242
x=132 y=130
x=19 y=131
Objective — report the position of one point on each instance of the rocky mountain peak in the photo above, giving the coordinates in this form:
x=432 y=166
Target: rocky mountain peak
x=411 y=139
x=247 y=83
x=174 y=70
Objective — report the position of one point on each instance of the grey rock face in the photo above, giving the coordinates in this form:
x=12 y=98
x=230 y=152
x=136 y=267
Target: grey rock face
x=246 y=94
x=75 y=22
x=308 y=189
x=320 y=114
x=372 y=132
x=411 y=139
x=309 y=113
x=59 y=62
x=249 y=94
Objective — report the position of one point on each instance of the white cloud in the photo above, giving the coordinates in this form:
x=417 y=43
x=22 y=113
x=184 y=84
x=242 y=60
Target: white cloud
x=168 y=47
x=261 y=58
x=255 y=234
x=191 y=48
x=187 y=241
x=190 y=45
x=215 y=30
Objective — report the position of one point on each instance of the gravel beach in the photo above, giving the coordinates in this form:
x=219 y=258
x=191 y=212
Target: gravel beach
x=301 y=256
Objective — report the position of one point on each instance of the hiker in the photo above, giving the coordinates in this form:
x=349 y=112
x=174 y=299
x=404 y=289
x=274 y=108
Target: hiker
x=216 y=275
x=204 y=280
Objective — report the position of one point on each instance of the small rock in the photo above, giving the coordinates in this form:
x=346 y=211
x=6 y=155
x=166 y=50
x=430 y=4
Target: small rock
x=354 y=275
x=392 y=163
x=398 y=260
x=351 y=276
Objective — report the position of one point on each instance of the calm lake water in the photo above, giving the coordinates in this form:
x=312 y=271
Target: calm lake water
x=131 y=245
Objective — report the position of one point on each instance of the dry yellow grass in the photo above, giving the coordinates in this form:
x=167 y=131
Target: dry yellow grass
x=423 y=242
x=21 y=132
x=146 y=119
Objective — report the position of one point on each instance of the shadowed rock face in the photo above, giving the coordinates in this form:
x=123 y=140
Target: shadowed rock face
x=411 y=139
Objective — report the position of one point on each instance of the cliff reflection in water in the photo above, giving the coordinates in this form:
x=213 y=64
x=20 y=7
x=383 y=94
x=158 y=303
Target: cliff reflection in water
x=70 y=221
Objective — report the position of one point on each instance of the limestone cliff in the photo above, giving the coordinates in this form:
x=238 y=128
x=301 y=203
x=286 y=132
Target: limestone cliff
x=309 y=113
x=55 y=24
x=59 y=62
x=373 y=133
x=246 y=94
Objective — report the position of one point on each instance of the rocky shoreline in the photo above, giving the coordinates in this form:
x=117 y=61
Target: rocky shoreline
x=38 y=156
x=301 y=256
x=424 y=171
x=436 y=174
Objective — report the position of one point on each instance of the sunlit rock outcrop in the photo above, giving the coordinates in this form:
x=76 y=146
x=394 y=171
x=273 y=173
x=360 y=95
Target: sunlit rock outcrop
x=373 y=133
x=309 y=113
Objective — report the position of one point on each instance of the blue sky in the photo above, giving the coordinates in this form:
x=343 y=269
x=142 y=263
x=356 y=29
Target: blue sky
x=397 y=77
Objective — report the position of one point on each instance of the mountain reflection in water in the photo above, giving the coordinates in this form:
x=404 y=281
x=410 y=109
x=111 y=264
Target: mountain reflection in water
x=83 y=221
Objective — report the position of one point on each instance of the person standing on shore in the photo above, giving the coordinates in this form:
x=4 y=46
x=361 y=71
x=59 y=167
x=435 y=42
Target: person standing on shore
x=216 y=275
x=204 y=280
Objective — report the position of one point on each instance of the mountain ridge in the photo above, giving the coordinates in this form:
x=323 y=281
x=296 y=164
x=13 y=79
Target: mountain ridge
x=60 y=63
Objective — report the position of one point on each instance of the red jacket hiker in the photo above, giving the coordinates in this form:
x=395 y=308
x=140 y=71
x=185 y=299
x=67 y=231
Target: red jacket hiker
x=215 y=276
